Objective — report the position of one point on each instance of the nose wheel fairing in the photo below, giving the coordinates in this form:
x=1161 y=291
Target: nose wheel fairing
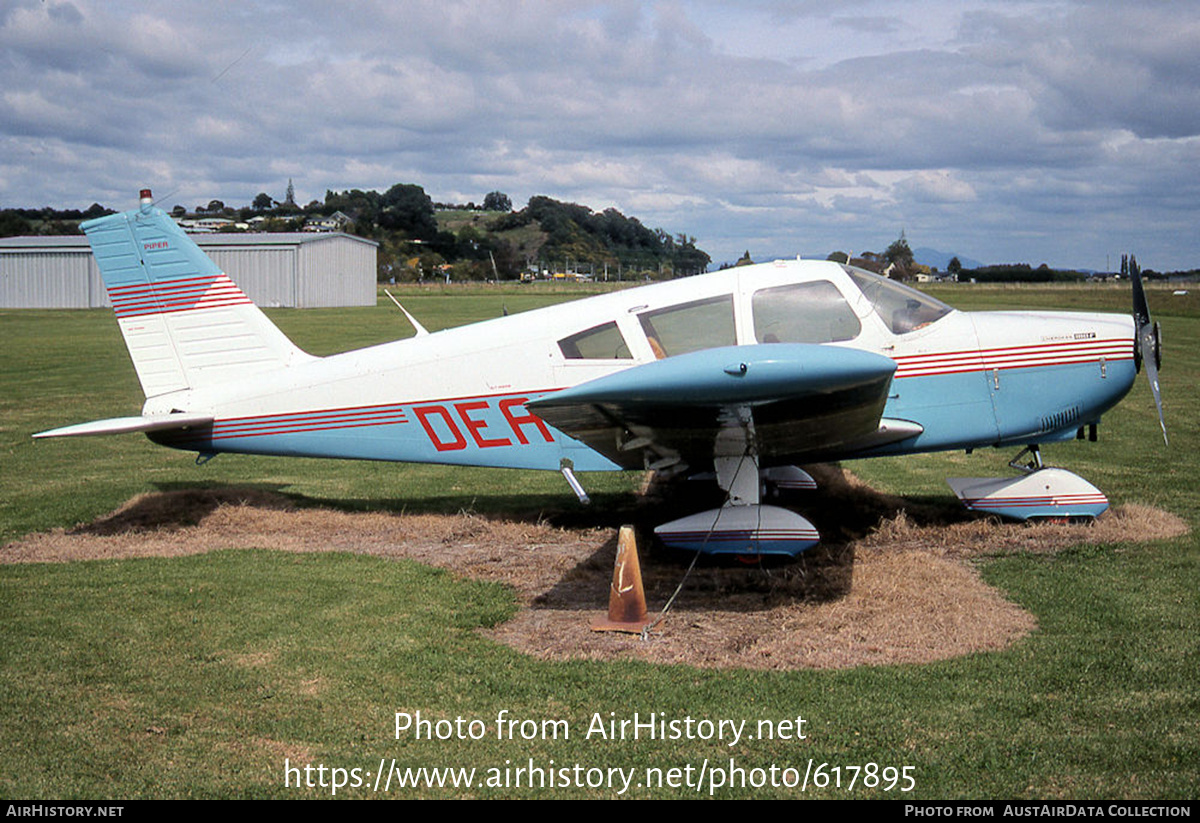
x=1044 y=494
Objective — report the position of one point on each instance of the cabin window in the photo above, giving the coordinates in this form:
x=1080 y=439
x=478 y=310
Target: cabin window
x=803 y=313
x=704 y=324
x=603 y=342
x=901 y=308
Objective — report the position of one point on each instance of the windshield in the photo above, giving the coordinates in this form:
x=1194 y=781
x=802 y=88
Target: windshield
x=902 y=309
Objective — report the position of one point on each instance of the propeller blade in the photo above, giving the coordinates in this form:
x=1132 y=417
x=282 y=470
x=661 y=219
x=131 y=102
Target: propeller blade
x=1152 y=375
x=1149 y=345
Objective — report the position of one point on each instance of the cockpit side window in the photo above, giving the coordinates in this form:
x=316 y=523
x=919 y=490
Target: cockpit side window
x=813 y=312
x=703 y=324
x=603 y=342
x=901 y=308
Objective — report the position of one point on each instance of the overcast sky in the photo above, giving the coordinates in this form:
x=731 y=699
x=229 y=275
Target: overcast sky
x=1058 y=132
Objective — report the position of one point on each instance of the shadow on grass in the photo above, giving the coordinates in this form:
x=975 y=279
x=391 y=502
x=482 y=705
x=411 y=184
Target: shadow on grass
x=180 y=505
x=843 y=509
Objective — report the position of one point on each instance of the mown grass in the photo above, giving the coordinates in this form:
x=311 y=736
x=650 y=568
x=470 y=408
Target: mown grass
x=199 y=676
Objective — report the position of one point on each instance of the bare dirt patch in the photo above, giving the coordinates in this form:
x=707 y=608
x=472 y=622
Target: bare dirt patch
x=893 y=584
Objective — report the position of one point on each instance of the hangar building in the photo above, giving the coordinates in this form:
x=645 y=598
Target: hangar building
x=302 y=270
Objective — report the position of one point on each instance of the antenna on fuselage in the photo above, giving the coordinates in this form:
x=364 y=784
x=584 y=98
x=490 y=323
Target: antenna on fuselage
x=421 y=330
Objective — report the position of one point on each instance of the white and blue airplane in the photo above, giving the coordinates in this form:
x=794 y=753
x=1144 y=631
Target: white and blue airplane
x=742 y=373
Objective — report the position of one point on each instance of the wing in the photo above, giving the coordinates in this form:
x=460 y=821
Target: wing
x=789 y=401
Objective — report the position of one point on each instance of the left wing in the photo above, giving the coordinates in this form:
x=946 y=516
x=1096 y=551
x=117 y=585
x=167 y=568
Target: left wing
x=792 y=400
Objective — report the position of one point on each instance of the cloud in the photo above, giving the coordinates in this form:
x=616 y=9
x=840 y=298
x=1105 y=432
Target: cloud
x=873 y=25
x=790 y=124
x=935 y=187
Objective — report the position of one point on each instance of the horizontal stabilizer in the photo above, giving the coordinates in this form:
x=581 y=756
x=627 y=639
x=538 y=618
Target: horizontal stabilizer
x=125 y=425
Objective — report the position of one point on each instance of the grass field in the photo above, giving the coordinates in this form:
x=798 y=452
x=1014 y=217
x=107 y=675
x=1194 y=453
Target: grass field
x=202 y=676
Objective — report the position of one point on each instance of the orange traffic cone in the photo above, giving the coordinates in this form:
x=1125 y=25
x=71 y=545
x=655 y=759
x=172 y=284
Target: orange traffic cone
x=626 y=598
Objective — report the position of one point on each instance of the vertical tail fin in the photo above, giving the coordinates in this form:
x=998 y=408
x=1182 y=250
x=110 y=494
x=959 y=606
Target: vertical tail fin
x=185 y=323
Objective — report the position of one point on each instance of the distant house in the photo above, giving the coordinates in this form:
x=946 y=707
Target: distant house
x=205 y=224
x=334 y=222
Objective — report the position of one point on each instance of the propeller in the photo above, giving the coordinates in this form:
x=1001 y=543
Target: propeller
x=1148 y=337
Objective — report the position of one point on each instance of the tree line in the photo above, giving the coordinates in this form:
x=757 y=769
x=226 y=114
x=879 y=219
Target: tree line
x=46 y=221
x=420 y=239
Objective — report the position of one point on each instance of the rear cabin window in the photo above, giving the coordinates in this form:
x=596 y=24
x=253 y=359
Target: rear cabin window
x=704 y=324
x=803 y=313
x=603 y=342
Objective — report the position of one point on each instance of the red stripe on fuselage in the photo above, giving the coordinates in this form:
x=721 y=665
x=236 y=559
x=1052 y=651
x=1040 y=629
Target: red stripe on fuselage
x=390 y=414
x=1013 y=357
x=308 y=421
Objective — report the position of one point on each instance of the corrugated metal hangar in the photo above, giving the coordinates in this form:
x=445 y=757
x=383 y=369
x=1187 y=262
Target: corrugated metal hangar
x=303 y=270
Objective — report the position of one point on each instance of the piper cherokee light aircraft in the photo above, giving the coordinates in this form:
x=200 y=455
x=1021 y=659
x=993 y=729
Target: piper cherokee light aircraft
x=741 y=373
